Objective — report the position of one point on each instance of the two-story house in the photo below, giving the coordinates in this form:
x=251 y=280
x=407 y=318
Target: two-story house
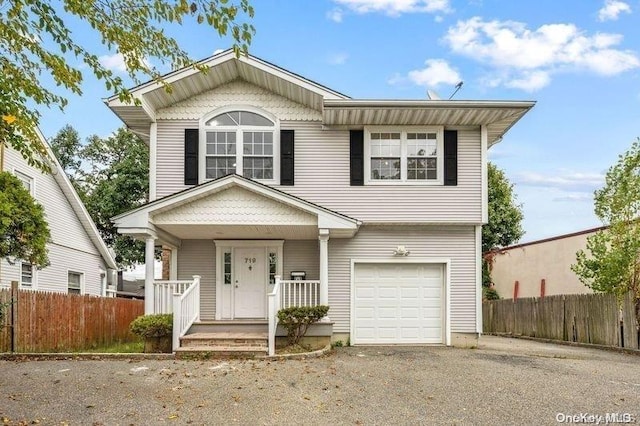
x=258 y=174
x=80 y=262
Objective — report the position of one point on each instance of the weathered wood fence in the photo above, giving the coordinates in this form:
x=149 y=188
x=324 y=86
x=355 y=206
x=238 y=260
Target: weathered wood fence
x=584 y=318
x=57 y=322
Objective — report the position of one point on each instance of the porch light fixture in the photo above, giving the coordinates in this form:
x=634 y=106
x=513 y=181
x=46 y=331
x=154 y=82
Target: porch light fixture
x=401 y=251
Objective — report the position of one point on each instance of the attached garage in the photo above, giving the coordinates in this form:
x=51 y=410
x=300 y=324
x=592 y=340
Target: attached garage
x=398 y=303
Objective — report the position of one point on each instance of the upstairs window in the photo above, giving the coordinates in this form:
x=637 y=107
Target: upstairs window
x=241 y=142
x=413 y=156
x=27 y=181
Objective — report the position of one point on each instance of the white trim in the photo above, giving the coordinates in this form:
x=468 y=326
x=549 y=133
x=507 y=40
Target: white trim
x=239 y=130
x=173 y=265
x=83 y=290
x=403 y=130
x=484 y=170
x=224 y=246
x=32 y=180
x=478 y=279
x=153 y=153
x=219 y=59
x=134 y=219
x=34 y=276
x=446 y=262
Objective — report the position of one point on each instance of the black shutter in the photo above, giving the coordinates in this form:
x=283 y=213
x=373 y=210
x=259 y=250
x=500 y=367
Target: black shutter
x=451 y=157
x=286 y=157
x=356 y=139
x=191 y=142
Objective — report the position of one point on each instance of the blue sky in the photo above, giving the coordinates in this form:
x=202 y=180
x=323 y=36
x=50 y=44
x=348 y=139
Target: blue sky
x=579 y=59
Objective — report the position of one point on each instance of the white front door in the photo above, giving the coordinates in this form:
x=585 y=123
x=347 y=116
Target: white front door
x=250 y=287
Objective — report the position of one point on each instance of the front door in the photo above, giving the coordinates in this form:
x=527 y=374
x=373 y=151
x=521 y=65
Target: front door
x=250 y=287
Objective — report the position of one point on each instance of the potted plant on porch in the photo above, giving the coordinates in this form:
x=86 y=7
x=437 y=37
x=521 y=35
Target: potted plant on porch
x=156 y=330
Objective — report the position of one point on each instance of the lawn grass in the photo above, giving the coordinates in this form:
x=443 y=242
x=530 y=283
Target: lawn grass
x=120 y=348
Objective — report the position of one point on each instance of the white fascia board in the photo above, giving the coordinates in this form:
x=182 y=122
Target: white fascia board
x=401 y=103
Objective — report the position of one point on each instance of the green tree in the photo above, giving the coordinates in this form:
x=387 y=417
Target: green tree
x=24 y=232
x=505 y=218
x=116 y=180
x=66 y=146
x=505 y=215
x=611 y=261
x=37 y=44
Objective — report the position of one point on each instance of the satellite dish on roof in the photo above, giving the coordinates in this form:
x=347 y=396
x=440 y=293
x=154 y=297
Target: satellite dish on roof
x=433 y=96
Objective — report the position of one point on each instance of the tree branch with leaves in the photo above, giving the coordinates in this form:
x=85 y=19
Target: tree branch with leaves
x=36 y=44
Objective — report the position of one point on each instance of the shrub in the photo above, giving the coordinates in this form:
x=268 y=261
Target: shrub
x=157 y=325
x=297 y=319
x=490 y=293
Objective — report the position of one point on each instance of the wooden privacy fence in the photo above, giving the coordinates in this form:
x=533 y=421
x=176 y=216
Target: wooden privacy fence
x=584 y=318
x=58 y=322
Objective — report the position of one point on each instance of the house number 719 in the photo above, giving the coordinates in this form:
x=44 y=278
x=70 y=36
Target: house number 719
x=249 y=260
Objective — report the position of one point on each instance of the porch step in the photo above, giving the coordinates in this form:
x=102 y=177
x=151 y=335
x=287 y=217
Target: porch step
x=223 y=345
x=225 y=339
x=230 y=326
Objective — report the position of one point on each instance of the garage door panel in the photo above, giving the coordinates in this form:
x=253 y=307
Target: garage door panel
x=398 y=303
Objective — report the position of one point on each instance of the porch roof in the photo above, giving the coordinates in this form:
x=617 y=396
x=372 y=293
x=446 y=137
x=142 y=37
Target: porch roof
x=242 y=208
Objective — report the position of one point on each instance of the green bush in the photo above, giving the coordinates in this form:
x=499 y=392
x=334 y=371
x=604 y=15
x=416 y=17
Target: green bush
x=490 y=293
x=297 y=319
x=157 y=325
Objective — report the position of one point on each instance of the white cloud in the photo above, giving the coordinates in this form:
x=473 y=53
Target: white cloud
x=563 y=180
x=437 y=72
x=574 y=197
x=612 y=10
x=338 y=58
x=113 y=62
x=396 y=7
x=335 y=15
x=526 y=59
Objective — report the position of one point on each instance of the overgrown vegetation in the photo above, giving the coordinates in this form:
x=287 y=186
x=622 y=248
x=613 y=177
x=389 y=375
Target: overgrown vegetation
x=120 y=348
x=490 y=293
x=297 y=319
x=611 y=262
x=24 y=232
x=150 y=326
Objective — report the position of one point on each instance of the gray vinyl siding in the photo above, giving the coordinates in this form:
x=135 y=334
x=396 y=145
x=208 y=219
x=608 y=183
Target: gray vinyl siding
x=301 y=255
x=170 y=156
x=456 y=243
x=54 y=278
x=66 y=229
x=70 y=248
x=322 y=177
x=198 y=257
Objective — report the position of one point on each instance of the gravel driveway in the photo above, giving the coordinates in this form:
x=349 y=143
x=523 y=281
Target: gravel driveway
x=505 y=381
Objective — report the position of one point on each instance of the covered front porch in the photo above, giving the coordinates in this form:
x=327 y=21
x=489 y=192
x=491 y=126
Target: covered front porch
x=240 y=251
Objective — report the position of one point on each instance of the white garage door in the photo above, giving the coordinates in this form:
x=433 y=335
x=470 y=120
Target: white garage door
x=398 y=303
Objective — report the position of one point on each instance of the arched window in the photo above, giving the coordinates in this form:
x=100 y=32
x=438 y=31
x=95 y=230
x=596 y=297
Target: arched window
x=241 y=142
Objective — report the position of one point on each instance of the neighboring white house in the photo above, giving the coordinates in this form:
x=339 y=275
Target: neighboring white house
x=256 y=172
x=540 y=268
x=79 y=260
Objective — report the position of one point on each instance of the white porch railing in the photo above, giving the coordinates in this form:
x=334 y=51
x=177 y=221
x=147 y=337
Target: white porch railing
x=186 y=310
x=299 y=293
x=163 y=292
x=285 y=294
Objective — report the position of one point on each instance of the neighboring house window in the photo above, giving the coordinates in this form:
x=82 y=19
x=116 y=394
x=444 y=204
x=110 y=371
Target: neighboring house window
x=26 y=180
x=74 y=283
x=406 y=156
x=27 y=277
x=241 y=142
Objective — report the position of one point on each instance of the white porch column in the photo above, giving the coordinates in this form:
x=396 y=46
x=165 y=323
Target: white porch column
x=173 y=269
x=149 y=270
x=324 y=266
